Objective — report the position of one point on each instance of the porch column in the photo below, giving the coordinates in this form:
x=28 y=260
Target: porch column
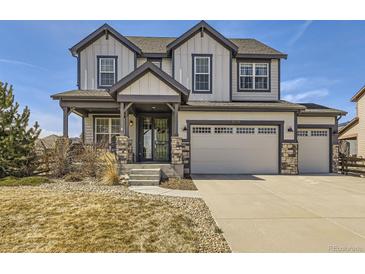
x=122 y=121
x=66 y=112
x=175 y=113
x=126 y=123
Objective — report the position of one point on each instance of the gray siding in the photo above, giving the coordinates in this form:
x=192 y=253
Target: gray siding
x=221 y=62
x=102 y=46
x=257 y=96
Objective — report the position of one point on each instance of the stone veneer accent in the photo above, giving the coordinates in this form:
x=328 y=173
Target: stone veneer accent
x=335 y=153
x=124 y=149
x=177 y=159
x=186 y=156
x=289 y=158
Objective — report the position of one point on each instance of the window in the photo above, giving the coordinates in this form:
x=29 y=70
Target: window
x=202 y=66
x=223 y=130
x=107 y=71
x=245 y=130
x=201 y=130
x=266 y=130
x=106 y=129
x=303 y=133
x=318 y=133
x=253 y=76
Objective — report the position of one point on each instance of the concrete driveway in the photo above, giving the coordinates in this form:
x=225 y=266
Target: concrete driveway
x=274 y=213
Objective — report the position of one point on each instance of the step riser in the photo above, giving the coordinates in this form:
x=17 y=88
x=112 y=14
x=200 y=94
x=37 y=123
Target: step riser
x=145 y=171
x=144 y=177
x=144 y=183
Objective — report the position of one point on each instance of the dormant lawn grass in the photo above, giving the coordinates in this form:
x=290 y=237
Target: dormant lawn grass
x=26 y=181
x=37 y=219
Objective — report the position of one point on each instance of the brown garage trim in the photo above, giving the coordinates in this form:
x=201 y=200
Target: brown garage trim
x=279 y=124
x=332 y=141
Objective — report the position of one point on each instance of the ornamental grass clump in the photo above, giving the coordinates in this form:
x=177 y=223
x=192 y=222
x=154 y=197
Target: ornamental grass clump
x=109 y=168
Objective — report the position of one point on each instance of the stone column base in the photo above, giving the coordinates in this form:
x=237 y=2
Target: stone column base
x=289 y=158
x=124 y=149
x=335 y=153
x=177 y=157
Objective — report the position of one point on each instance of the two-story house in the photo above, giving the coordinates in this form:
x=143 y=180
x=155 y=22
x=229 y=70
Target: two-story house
x=354 y=131
x=201 y=103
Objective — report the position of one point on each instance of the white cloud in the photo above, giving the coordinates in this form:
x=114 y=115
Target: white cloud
x=301 y=30
x=21 y=63
x=304 y=96
x=292 y=85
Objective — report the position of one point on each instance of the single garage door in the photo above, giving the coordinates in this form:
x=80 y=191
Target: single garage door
x=234 y=149
x=313 y=150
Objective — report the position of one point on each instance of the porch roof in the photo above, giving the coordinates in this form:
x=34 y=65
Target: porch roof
x=83 y=95
x=140 y=72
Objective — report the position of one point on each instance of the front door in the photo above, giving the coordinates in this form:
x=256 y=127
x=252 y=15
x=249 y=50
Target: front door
x=154 y=139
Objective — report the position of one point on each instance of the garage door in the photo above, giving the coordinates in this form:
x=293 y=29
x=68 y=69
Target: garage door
x=313 y=150
x=234 y=149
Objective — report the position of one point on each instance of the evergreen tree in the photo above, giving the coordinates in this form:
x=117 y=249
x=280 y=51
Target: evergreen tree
x=17 y=141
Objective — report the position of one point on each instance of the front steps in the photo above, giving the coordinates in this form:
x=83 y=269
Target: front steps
x=144 y=176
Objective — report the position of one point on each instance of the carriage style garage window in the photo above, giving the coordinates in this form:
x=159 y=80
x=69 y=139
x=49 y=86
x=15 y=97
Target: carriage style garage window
x=106 y=129
x=202 y=73
x=253 y=76
x=107 y=71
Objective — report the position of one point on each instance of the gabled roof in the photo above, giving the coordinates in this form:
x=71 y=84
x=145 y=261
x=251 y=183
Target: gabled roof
x=315 y=109
x=348 y=125
x=202 y=26
x=142 y=70
x=358 y=95
x=104 y=29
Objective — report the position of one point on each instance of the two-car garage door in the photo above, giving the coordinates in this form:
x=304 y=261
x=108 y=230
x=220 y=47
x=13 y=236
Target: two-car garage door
x=234 y=149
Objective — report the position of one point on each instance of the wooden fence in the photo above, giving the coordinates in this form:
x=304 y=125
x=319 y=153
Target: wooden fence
x=352 y=165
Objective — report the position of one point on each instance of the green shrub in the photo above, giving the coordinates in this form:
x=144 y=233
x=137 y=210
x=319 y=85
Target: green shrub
x=73 y=177
x=25 y=181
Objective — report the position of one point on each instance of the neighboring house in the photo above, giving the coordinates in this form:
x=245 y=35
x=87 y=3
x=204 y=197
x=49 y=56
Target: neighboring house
x=353 y=132
x=200 y=102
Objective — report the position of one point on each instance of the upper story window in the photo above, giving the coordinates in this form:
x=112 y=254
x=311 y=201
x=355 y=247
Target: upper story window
x=202 y=73
x=254 y=76
x=107 y=71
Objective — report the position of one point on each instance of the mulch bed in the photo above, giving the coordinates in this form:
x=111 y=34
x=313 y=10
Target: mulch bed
x=181 y=184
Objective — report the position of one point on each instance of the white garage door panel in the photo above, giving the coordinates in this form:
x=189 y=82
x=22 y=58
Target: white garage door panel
x=214 y=153
x=313 y=150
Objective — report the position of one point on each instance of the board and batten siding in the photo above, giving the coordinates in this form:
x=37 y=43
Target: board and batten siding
x=256 y=96
x=220 y=66
x=287 y=117
x=166 y=64
x=148 y=84
x=105 y=47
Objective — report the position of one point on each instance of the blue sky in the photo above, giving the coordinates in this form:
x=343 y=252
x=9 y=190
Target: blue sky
x=325 y=64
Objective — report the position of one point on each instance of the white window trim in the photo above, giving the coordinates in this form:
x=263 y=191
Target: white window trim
x=253 y=76
x=109 y=128
x=100 y=72
x=202 y=73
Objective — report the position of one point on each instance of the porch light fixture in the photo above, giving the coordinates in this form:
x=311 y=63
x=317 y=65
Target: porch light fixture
x=290 y=129
x=131 y=123
x=185 y=128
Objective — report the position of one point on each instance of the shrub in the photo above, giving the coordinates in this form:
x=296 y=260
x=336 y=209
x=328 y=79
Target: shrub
x=109 y=168
x=73 y=177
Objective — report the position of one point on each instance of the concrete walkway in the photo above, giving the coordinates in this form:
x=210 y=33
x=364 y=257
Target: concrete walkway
x=156 y=190
x=287 y=213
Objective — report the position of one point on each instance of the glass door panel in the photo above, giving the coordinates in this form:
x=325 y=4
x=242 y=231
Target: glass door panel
x=161 y=139
x=147 y=138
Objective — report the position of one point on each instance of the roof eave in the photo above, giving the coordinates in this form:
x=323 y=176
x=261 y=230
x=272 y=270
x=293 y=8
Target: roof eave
x=262 y=56
x=205 y=26
x=80 y=45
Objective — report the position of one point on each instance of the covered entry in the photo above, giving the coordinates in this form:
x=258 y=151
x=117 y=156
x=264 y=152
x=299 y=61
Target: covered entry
x=314 y=150
x=228 y=149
